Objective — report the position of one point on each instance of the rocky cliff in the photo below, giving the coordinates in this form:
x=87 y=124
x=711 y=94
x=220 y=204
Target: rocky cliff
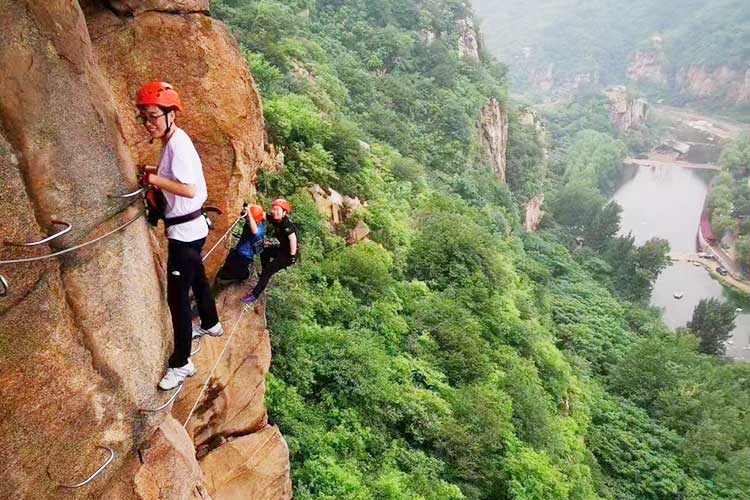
x=84 y=336
x=720 y=83
x=627 y=113
x=468 y=39
x=493 y=128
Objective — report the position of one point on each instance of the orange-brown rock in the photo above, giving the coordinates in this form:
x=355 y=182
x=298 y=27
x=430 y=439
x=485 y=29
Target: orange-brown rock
x=493 y=135
x=260 y=459
x=358 y=233
x=164 y=468
x=68 y=345
x=626 y=112
x=135 y=7
x=534 y=213
x=232 y=403
x=222 y=114
x=84 y=336
x=333 y=206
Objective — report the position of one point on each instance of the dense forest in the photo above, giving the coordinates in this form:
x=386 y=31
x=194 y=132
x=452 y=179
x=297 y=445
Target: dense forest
x=598 y=37
x=453 y=355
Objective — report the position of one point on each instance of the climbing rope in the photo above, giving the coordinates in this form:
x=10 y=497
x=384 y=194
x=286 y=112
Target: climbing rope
x=213 y=368
x=223 y=236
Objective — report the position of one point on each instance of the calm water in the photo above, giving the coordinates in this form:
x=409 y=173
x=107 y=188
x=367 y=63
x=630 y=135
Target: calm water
x=666 y=202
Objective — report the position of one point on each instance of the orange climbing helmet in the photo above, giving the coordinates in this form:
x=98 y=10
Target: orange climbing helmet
x=257 y=212
x=160 y=94
x=281 y=202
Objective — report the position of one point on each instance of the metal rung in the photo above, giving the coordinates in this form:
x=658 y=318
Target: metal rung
x=129 y=195
x=171 y=399
x=96 y=473
x=197 y=350
x=4 y=287
x=67 y=228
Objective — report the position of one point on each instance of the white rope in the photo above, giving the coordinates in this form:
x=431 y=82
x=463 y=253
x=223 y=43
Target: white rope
x=205 y=384
x=222 y=238
x=76 y=247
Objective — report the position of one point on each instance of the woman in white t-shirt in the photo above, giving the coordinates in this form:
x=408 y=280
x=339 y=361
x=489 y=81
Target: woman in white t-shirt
x=179 y=176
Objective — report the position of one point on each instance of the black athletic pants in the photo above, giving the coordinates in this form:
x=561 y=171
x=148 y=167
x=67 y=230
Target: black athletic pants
x=273 y=259
x=185 y=271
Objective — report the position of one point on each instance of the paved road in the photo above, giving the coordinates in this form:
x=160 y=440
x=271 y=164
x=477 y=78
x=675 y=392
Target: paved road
x=710 y=265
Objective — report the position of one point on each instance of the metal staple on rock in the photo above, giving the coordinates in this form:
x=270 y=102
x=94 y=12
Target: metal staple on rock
x=160 y=408
x=66 y=229
x=96 y=473
x=205 y=384
x=75 y=247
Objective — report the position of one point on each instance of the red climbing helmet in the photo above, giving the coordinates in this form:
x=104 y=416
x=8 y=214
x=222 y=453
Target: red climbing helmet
x=281 y=202
x=159 y=94
x=257 y=212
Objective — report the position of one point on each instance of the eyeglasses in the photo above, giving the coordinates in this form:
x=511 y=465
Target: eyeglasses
x=150 y=118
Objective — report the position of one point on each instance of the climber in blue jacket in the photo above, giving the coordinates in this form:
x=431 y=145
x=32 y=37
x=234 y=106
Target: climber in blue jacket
x=239 y=260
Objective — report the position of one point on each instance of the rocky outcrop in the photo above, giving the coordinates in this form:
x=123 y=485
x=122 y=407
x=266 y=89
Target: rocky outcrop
x=626 y=112
x=222 y=114
x=150 y=473
x=225 y=398
x=84 y=336
x=136 y=7
x=468 y=39
x=722 y=83
x=534 y=213
x=257 y=459
x=647 y=66
x=338 y=209
x=493 y=130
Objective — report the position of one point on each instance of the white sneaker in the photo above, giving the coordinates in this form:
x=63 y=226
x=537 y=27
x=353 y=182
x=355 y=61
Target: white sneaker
x=214 y=331
x=176 y=376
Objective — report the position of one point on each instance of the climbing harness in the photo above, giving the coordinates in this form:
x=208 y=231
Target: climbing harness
x=92 y=476
x=213 y=368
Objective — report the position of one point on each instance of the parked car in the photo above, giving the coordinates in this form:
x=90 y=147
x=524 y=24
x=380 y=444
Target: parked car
x=722 y=271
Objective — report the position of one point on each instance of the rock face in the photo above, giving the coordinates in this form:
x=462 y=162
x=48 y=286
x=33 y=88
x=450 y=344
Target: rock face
x=648 y=65
x=534 y=213
x=223 y=113
x=468 y=40
x=731 y=86
x=225 y=398
x=338 y=209
x=249 y=460
x=151 y=473
x=84 y=337
x=493 y=129
x=136 y=7
x=626 y=112
x=700 y=81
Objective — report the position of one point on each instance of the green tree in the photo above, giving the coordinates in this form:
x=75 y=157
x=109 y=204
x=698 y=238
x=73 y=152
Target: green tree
x=712 y=323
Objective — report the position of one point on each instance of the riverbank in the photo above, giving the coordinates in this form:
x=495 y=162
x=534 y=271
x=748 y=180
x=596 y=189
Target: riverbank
x=710 y=265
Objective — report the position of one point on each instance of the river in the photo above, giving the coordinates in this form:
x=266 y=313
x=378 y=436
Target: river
x=666 y=202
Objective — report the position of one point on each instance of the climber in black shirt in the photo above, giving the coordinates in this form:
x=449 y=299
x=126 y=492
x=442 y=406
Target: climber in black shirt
x=276 y=257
